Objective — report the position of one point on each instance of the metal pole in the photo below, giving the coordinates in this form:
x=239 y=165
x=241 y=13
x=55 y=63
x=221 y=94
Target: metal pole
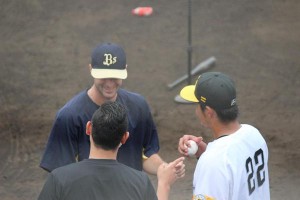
x=200 y=67
x=189 y=48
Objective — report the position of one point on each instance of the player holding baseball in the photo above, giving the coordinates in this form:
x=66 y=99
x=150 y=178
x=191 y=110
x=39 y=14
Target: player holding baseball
x=234 y=165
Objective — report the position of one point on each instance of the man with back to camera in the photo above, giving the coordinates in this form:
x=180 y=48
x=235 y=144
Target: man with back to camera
x=68 y=142
x=102 y=176
x=234 y=165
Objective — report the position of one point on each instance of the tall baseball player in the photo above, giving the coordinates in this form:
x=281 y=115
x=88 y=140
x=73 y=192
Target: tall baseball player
x=234 y=165
x=68 y=142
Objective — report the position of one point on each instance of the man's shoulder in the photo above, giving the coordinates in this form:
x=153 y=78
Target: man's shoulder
x=76 y=104
x=133 y=173
x=129 y=94
x=86 y=168
x=68 y=169
x=68 y=172
x=129 y=98
x=248 y=127
x=251 y=133
x=77 y=99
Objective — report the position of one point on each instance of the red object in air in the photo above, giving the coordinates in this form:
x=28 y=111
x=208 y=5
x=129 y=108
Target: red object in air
x=142 y=11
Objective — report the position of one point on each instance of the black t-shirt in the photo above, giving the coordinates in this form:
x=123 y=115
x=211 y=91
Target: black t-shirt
x=97 y=179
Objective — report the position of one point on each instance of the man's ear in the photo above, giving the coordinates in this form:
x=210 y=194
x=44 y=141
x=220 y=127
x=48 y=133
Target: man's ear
x=210 y=112
x=125 y=137
x=90 y=67
x=88 y=129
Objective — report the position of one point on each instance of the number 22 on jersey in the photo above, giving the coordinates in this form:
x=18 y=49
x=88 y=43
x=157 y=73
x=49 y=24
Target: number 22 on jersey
x=255 y=170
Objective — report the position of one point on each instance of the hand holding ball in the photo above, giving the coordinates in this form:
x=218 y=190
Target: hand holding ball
x=193 y=148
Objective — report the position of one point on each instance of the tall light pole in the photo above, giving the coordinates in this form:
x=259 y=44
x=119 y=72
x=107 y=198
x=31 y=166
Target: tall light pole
x=200 y=67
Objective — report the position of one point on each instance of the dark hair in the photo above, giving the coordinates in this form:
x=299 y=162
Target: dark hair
x=109 y=124
x=225 y=115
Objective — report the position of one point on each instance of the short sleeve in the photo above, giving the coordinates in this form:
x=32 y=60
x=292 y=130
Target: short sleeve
x=51 y=189
x=151 y=141
x=62 y=147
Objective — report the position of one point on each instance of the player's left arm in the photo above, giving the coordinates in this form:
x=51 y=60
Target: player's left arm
x=151 y=164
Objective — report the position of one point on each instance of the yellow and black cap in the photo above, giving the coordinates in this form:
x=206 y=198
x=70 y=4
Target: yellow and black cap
x=108 y=60
x=214 y=89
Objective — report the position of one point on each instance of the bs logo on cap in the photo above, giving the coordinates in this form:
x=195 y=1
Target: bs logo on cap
x=108 y=60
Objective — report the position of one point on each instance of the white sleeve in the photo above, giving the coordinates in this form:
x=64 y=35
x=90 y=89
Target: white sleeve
x=211 y=180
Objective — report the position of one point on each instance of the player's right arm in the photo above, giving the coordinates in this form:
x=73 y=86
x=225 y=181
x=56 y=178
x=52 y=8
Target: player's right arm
x=61 y=148
x=183 y=145
x=167 y=174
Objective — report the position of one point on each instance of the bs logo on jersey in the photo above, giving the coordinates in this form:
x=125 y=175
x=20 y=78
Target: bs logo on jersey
x=109 y=60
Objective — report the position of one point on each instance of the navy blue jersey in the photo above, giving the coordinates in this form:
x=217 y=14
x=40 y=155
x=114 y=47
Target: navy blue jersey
x=69 y=143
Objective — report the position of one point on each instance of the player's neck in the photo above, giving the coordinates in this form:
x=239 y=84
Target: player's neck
x=96 y=96
x=97 y=153
x=220 y=129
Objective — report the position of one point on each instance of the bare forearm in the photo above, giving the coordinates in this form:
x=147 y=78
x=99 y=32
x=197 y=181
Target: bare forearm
x=167 y=174
x=151 y=164
x=163 y=191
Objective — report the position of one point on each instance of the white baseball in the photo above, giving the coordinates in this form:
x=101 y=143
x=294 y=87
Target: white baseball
x=193 y=148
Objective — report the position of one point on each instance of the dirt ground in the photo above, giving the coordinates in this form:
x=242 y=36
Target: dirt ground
x=45 y=49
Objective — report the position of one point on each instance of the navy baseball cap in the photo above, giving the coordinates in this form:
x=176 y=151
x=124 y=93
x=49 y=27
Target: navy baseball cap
x=108 y=60
x=214 y=89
